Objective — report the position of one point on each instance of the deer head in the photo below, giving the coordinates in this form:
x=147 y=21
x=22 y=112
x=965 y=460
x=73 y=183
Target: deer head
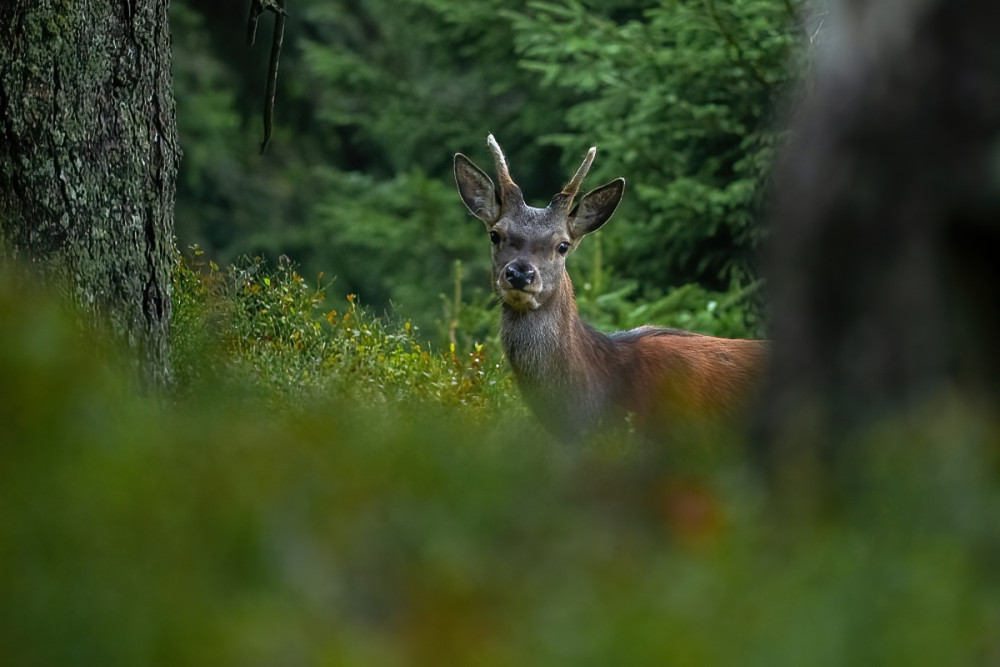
x=530 y=244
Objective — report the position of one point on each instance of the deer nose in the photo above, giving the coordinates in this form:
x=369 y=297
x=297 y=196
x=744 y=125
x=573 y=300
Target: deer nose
x=519 y=275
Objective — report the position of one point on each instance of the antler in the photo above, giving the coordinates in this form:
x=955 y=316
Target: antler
x=565 y=198
x=573 y=187
x=509 y=191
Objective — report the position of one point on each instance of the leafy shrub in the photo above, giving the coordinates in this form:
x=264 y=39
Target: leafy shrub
x=392 y=241
x=272 y=330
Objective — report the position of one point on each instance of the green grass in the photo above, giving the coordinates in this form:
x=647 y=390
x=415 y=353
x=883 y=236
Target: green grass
x=322 y=489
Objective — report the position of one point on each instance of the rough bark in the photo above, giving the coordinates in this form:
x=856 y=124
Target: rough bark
x=886 y=232
x=88 y=158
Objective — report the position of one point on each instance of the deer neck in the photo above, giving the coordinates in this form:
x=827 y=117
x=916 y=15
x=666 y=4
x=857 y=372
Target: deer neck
x=550 y=345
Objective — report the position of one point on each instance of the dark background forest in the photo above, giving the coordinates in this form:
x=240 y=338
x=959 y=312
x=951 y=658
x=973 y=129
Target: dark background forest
x=374 y=98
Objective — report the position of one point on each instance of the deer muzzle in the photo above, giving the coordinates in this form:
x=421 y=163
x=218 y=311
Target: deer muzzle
x=519 y=284
x=519 y=275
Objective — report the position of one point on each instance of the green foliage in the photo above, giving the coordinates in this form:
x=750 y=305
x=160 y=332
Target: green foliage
x=269 y=333
x=232 y=528
x=394 y=241
x=610 y=304
x=689 y=307
x=679 y=99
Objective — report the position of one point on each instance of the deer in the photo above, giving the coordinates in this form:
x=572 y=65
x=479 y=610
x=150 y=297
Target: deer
x=574 y=378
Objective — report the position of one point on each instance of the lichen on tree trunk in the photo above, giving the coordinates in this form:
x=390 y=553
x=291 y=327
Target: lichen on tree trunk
x=88 y=158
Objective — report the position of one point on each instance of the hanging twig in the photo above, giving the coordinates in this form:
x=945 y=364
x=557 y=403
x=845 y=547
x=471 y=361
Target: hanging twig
x=258 y=7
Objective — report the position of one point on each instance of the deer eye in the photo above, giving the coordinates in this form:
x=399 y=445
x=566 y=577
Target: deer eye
x=563 y=248
x=494 y=238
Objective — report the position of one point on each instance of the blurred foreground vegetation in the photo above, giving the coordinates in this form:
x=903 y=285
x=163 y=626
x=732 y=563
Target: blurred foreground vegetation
x=322 y=490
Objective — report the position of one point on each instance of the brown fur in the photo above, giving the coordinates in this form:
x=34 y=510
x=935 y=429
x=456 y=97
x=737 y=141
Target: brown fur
x=693 y=377
x=576 y=378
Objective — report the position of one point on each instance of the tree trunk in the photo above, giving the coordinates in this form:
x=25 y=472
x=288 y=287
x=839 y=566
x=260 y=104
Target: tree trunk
x=88 y=158
x=885 y=253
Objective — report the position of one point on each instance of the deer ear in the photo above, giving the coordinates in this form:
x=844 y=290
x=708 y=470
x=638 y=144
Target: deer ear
x=596 y=208
x=477 y=190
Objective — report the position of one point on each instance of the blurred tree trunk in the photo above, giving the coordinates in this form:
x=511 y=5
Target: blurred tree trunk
x=885 y=254
x=88 y=158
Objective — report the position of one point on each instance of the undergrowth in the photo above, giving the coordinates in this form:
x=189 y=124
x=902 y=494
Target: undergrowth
x=273 y=332
x=323 y=489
